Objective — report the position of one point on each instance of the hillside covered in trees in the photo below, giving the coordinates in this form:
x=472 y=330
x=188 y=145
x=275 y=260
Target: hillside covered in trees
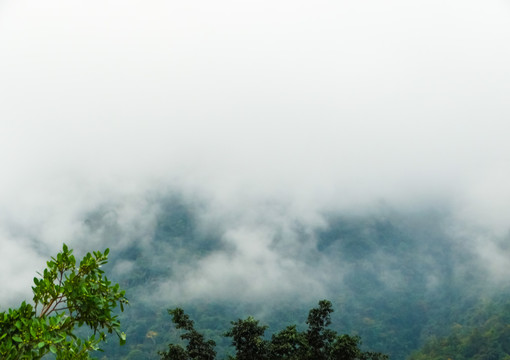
x=252 y=158
x=400 y=281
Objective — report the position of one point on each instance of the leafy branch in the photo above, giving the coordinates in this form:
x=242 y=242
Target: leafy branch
x=69 y=296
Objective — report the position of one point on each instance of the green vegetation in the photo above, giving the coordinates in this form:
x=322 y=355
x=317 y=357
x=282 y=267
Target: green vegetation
x=66 y=297
x=318 y=342
x=397 y=280
x=400 y=282
x=483 y=335
x=197 y=348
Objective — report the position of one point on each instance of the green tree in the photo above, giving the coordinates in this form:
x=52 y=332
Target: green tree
x=288 y=344
x=318 y=342
x=66 y=297
x=197 y=348
x=247 y=338
x=319 y=337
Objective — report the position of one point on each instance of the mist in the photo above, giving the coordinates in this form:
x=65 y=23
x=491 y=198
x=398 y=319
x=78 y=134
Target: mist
x=263 y=116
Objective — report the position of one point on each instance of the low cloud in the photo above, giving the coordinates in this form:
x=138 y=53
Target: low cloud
x=268 y=115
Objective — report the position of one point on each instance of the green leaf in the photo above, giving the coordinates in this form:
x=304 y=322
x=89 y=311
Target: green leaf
x=53 y=349
x=122 y=338
x=17 y=338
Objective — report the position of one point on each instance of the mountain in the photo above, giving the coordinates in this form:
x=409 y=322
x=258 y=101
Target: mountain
x=400 y=280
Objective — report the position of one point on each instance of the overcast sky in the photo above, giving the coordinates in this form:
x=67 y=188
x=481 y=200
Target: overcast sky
x=316 y=104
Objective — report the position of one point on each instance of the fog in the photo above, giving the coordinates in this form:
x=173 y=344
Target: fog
x=269 y=113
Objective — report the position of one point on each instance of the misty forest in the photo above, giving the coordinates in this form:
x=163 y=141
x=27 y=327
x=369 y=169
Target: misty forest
x=255 y=179
x=403 y=285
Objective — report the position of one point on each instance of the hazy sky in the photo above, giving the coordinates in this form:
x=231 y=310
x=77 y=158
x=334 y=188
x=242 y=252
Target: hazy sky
x=314 y=104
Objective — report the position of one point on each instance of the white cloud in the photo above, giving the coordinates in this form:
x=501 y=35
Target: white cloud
x=15 y=275
x=251 y=270
x=333 y=104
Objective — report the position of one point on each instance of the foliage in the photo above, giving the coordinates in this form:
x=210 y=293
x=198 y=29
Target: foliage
x=247 y=339
x=319 y=337
x=484 y=335
x=288 y=344
x=66 y=297
x=197 y=348
x=316 y=343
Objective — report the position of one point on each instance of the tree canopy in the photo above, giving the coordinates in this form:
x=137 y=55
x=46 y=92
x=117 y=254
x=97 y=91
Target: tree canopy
x=197 y=349
x=318 y=342
x=67 y=296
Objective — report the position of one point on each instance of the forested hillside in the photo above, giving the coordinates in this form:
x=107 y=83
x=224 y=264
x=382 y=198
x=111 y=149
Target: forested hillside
x=398 y=280
x=483 y=332
x=248 y=159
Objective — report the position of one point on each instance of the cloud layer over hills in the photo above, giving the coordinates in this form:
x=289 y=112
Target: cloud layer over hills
x=256 y=108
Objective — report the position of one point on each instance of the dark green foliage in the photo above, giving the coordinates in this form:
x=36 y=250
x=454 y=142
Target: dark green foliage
x=247 y=338
x=66 y=298
x=197 y=348
x=318 y=342
x=319 y=337
x=289 y=344
x=485 y=335
x=175 y=352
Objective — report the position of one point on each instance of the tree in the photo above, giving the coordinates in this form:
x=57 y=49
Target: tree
x=318 y=342
x=247 y=339
x=288 y=344
x=197 y=348
x=66 y=297
x=319 y=337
